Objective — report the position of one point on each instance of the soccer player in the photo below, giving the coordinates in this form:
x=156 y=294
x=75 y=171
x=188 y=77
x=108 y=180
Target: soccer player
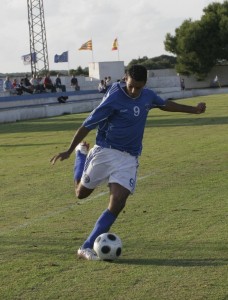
x=120 y=121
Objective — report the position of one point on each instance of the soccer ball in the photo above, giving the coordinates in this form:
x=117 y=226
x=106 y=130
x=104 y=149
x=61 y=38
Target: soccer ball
x=108 y=246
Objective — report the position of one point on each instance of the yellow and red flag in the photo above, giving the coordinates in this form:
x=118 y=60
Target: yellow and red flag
x=115 y=45
x=87 y=46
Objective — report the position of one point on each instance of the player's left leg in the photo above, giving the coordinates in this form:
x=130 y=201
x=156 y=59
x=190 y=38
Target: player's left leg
x=118 y=198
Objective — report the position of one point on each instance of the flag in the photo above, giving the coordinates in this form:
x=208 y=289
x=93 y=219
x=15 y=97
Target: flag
x=87 y=46
x=28 y=58
x=115 y=45
x=61 y=58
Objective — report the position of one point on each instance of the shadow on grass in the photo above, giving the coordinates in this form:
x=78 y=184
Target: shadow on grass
x=194 y=121
x=72 y=123
x=43 y=125
x=30 y=145
x=35 y=245
x=174 y=262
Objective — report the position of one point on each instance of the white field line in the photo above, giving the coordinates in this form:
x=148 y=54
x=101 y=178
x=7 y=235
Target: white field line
x=62 y=210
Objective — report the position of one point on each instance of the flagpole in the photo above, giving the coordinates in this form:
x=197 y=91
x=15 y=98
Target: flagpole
x=68 y=63
x=92 y=52
x=118 y=49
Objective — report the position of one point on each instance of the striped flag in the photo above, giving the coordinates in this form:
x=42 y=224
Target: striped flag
x=87 y=46
x=115 y=45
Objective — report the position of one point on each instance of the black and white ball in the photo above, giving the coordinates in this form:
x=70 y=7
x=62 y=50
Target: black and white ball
x=108 y=246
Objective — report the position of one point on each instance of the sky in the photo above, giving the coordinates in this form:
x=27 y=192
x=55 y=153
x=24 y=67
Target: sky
x=139 y=25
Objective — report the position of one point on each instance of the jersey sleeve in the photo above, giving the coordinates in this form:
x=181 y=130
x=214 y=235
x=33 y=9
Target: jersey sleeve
x=158 y=101
x=100 y=113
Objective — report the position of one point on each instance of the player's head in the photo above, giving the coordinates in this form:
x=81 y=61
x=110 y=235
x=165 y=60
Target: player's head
x=136 y=77
x=138 y=73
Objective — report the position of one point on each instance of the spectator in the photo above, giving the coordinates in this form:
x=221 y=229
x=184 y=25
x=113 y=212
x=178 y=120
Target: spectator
x=182 y=84
x=27 y=84
x=24 y=88
x=74 y=83
x=15 y=84
x=8 y=86
x=36 y=84
x=108 y=82
x=17 y=87
x=26 y=81
x=58 y=84
x=48 y=85
x=102 y=87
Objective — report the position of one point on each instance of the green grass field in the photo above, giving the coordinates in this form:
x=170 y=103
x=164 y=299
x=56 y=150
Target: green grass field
x=173 y=229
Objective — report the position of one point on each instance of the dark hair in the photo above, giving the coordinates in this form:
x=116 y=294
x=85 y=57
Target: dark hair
x=137 y=72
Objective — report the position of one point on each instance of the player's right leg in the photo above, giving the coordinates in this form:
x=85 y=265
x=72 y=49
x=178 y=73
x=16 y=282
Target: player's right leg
x=81 y=152
x=81 y=191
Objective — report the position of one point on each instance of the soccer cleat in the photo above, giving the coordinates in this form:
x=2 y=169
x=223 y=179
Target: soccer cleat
x=87 y=254
x=83 y=147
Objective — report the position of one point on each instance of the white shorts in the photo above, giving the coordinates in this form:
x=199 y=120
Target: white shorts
x=111 y=166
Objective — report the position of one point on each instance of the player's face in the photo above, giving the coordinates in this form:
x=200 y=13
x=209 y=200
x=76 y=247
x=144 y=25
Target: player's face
x=133 y=87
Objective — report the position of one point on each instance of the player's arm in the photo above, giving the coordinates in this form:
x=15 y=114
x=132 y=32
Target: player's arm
x=80 y=134
x=177 y=107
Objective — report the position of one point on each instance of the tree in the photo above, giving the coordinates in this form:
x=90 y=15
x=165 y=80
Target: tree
x=159 y=62
x=200 y=45
x=79 y=71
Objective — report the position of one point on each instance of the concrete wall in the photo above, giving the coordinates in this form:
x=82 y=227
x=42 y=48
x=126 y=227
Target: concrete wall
x=16 y=108
x=157 y=80
x=220 y=71
x=48 y=110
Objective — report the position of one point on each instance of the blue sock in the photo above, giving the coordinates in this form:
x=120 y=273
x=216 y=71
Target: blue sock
x=79 y=165
x=102 y=225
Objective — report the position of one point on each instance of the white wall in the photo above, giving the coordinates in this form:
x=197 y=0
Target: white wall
x=100 y=70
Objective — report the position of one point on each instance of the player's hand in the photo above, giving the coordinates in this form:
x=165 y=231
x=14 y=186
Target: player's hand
x=61 y=156
x=200 y=108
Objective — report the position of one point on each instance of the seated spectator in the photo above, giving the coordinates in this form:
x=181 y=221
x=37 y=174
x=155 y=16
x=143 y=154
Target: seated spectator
x=24 y=88
x=48 y=85
x=27 y=84
x=17 y=87
x=58 y=84
x=26 y=81
x=8 y=86
x=102 y=87
x=15 y=84
x=108 y=82
x=74 y=83
x=36 y=84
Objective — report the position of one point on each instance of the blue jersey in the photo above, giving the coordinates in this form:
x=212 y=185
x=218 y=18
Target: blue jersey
x=121 y=119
